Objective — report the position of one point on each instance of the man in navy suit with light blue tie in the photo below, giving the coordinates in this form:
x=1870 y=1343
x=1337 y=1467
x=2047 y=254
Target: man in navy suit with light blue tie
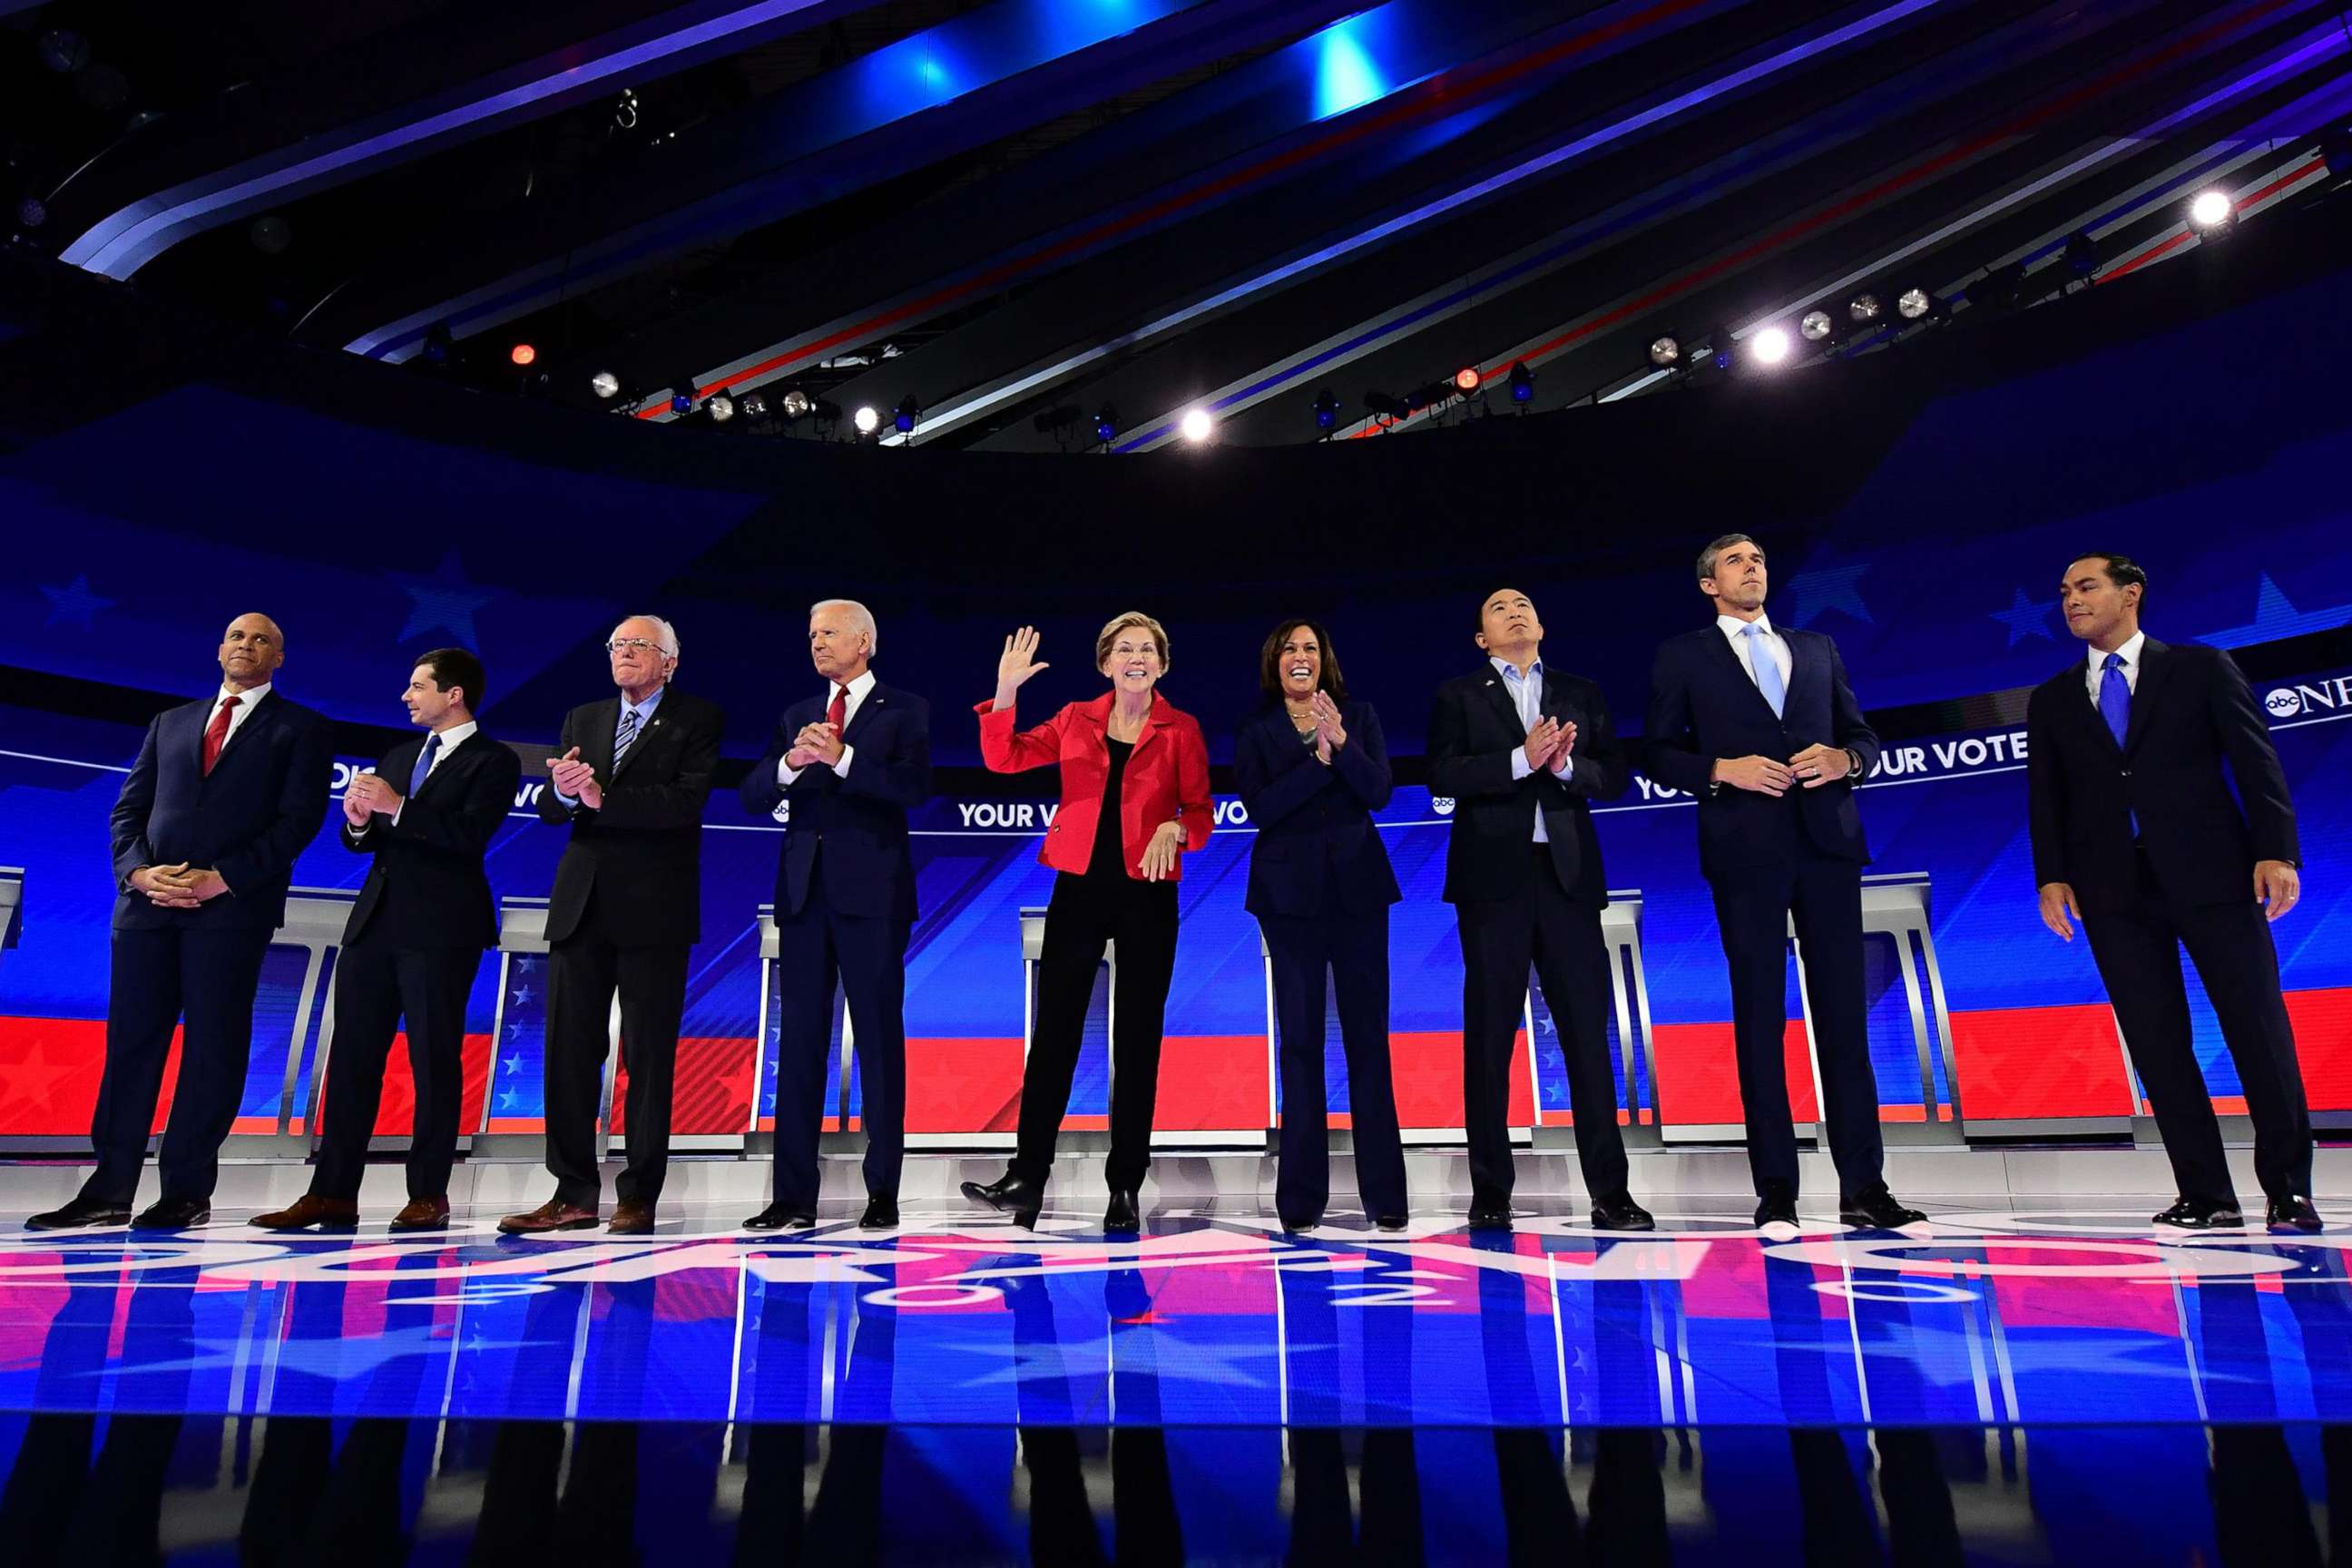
x=1760 y=724
x=849 y=765
x=224 y=794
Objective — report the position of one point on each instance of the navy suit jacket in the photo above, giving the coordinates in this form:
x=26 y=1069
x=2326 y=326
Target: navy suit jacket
x=1317 y=851
x=427 y=888
x=859 y=821
x=1703 y=708
x=643 y=849
x=1472 y=732
x=2193 y=713
x=263 y=802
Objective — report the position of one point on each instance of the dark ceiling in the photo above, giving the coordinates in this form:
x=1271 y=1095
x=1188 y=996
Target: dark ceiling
x=1021 y=215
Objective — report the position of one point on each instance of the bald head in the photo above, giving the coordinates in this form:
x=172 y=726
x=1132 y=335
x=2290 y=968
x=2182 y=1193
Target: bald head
x=251 y=652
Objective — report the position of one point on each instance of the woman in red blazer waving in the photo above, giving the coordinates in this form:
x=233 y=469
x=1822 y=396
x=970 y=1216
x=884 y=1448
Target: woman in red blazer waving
x=1134 y=797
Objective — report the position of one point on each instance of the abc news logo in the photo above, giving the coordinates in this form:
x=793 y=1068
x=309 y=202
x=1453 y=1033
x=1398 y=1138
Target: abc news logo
x=2293 y=701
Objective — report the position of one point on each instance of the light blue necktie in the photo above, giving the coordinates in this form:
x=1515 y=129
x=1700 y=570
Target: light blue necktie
x=1768 y=673
x=423 y=763
x=2114 y=697
x=623 y=736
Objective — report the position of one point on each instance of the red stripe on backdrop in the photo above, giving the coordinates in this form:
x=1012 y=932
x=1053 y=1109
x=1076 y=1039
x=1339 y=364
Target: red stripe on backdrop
x=969 y=1085
x=712 y=1093
x=1697 y=1071
x=2029 y=1062
x=1427 y=1069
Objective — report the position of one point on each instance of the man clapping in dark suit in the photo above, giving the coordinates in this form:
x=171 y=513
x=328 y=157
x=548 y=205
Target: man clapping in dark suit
x=851 y=763
x=631 y=780
x=1760 y=723
x=1524 y=751
x=413 y=942
x=224 y=794
x=2137 y=835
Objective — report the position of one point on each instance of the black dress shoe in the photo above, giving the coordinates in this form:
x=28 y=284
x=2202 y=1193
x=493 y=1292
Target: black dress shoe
x=881 y=1212
x=1304 y=1222
x=1621 y=1212
x=1878 y=1210
x=1121 y=1214
x=1490 y=1214
x=2202 y=1213
x=1777 y=1211
x=2292 y=1213
x=1391 y=1222
x=173 y=1214
x=1016 y=1195
x=781 y=1216
x=80 y=1214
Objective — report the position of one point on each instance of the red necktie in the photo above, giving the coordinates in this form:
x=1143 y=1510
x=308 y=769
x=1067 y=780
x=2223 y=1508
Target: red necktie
x=216 y=734
x=838 y=714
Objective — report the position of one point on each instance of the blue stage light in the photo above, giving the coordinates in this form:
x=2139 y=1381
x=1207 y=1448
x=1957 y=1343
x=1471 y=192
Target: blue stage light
x=1106 y=424
x=1345 y=74
x=1327 y=410
x=906 y=414
x=1523 y=382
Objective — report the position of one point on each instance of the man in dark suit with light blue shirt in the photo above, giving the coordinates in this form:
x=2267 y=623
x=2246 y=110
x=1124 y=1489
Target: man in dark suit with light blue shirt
x=1760 y=723
x=224 y=794
x=849 y=765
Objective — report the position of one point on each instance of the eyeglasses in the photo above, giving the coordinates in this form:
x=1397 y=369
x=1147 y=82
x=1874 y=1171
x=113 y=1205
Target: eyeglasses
x=645 y=645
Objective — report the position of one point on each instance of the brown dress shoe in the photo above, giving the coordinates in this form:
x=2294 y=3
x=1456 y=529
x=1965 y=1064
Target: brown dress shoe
x=552 y=1215
x=309 y=1210
x=631 y=1216
x=423 y=1214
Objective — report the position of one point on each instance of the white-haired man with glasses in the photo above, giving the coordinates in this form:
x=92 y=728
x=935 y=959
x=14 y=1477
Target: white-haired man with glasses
x=630 y=778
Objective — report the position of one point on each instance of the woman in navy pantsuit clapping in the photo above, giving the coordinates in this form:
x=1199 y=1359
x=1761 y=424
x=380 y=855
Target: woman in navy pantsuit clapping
x=1312 y=768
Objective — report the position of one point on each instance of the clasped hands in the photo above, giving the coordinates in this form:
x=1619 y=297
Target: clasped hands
x=1813 y=767
x=1550 y=745
x=1329 y=734
x=817 y=742
x=568 y=775
x=180 y=887
x=370 y=795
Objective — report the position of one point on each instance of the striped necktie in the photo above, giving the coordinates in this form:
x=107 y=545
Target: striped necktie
x=624 y=735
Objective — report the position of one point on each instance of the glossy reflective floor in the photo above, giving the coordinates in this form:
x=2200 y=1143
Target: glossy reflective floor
x=1208 y=1320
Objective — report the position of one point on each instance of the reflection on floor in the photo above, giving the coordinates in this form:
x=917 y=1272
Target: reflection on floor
x=1995 y=1317
x=310 y=1488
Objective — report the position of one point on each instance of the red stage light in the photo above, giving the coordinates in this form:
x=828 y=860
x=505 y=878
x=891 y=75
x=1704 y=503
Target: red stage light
x=1466 y=379
x=523 y=354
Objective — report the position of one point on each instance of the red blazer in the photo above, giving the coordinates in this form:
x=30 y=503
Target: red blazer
x=1167 y=773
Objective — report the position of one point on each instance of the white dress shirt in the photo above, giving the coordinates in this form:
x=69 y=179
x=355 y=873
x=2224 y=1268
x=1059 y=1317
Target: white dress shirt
x=247 y=702
x=1773 y=643
x=786 y=774
x=2098 y=670
x=1526 y=696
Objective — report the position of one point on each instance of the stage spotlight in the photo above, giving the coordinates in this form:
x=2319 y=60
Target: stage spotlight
x=1667 y=353
x=436 y=343
x=1864 y=308
x=1106 y=424
x=2211 y=209
x=2082 y=253
x=1816 y=326
x=722 y=406
x=682 y=399
x=1720 y=345
x=1913 y=303
x=1772 y=345
x=31 y=212
x=1197 y=426
x=522 y=354
x=604 y=384
x=866 y=420
x=1465 y=380
x=907 y=414
x=2002 y=287
x=1327 y=410
x=796 y=403
x=753 y=406
x=1523 y=382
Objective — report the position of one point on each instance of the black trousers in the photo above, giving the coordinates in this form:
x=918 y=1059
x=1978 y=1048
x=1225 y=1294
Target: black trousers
x=2139 y=955
x=1083 y=915
x=586 y=969
x=1540 y=924
x=1352 y=947
x=203 y=979
x=376 y=987
x=867 y=956
x=1753 y=907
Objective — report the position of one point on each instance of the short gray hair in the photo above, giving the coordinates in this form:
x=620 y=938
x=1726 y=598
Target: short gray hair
x=860 y=619
x=1706 y=557
x=668 y=638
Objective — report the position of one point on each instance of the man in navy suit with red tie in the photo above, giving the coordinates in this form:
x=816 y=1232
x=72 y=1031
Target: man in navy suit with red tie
x=2137 y=835
x=224 y=794
x=1758 y=723
x=849 y=764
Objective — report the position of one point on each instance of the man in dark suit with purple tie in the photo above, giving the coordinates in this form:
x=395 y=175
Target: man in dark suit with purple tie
x=224 y=794
x=1758 y=723
x=2137 y=835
